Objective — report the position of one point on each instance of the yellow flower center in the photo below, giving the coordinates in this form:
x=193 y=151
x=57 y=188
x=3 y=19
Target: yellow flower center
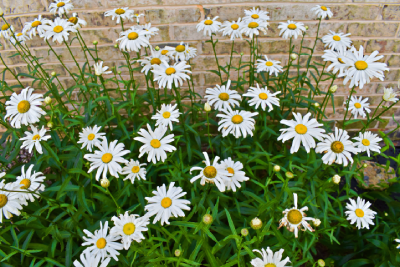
x=361 y=65
x=180 y=48
x=208 y=22
x=170 y=71
x=26 y=183
x=336 y=37
x=101 y=243
x=120 y=11
x=337 y=147
x=357 y=105
x=19 y=34
x=292 y=26
x=340 y=60
x=36 y=137
x=129 y=228
x=58 y=29
x=90 y=137
x=107 y=157
x=23 y=106
x=5 y=27
x=253 y=25
x=36 y=23
x=135 y=169
x=270 y=265
x=3 y=200
x=359 y=213
x=61 y=4
x=210 y=172
x=73 y=20
x=230 y=170
x=234 y=26
x=133 y=36
x=155 y=61
x=294 y=216
x=255 y=16
x=164 y=52
x=224 y=96
x=237 y=119
x=324 y=8
x=365 y=142
x=166 y=202
x=263 y=96
x=300 y=129
x=155 y=143
x=166 y=114
x=269 y=63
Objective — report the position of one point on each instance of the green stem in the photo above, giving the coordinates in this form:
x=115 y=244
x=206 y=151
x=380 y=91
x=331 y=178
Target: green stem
x=347 y=106
x=216 y=58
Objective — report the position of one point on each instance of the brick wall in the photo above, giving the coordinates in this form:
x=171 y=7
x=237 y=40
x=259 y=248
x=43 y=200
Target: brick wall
x=372 y=23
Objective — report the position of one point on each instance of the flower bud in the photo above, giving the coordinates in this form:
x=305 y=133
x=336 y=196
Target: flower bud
x=207 y=219
x=119 y=72
x=53 y=74
x=306 y=28
x=386 y=214
x=333 y=89
x=95 y=42
x=256 y=223
x=157 y=48
x=177 y=252
x=316 y=104
x=241 y=53
x=321 y=263
x=316 y=222
x=1 y=12
x=50 y=124
x=289 y=175
x=207 y=107
x=293 y=56
x=336 y=179
x=116 y=45
x=277 y=168
x=365 y=165
x=47 y=100
x=244 y=232
x=105 y=183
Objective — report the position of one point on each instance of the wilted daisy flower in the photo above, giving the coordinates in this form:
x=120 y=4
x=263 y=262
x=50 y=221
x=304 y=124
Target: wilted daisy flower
x=89 y=260
x=134 y=171
x=190 y=52
x=262 y=97
x=337 y=63
x=238 y=176
x=236 y=122
x=167 y=51
x=6 y=30
x=107 y=159
x=291 y=29
x=360 y=213
x=255 y=14
x=233 y=29
x=363 y=68
x=154 y=59
x=155 y=144
x=358 y=106
x=254 y=26
x=303 y=131
x=32 y=181
x=215 y=173
x=34 y=27
x=268 y=65
x=129 y=228
x=19 y=37
x=166 y=203
x=90 y=136
x=167 y=75
x=269 y=258
x=295 y=218
x=322 y=11
x=222 y=97
x=33 y=139
x=133 y=39
x=10 y=202
x=58 y=30
x=150 y=31
x=120 y=13
x=166 y=115
x=389 y=95
x=101 y=243
x=77 y=22
x=100 y=70
x=337 y=148
x=24 y=108
x=61 y=7
x=368 y=142
x=337 y=41
x=209 y=26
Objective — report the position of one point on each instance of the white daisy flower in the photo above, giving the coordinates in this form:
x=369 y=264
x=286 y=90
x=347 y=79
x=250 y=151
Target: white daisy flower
x=190 y=52
x=33 y=139
x=107 y=159
x=322 y=11
x=236 y=122
x=215 y=173
x=360 y=213
x=101 y=243
x=61 y=7
x=363 y=68
x=269 y=258
x=89 y=260
x=154 y=59
x=2 y=174
x=268 y=65
x=233 y=29
x=24 y=108
x=255 y=14
x=166 y=203
x=120 y=13
x=10 y=202
x=77 y=22
x=133 y=39
x=137 y=17
x=129 y=228
x=337 y=147
x=262 y=97
x=222 y=97
x=6 y=31
x=90 y=137
x=32 y=181
x=150 y=31
x=167 y=75
x=291 y=29
x=337 y=63
x=155 y=144
x=368 y=142
x=100 y=70
x=134 y=171
x=34 y=27
x=167 y=51
x=179 y=54
x=166 y=115
x=19 y=37
x=295 y=218
x=303 y=131
x=238 y=176
x=358 y=106
x=389 y=95
x=337 y=41
x=58 y=30
x=209 y=26
x=254 y=26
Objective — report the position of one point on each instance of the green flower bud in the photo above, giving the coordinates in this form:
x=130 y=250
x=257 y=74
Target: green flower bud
x=207 y=219
x=178 y=252
x=244 y=232
x=289 y=175
x=256 y=223
x=95 y=42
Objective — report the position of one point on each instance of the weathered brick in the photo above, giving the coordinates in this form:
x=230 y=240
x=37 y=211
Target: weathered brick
x=372 y=29
x=391 y=12
x=176 y=15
